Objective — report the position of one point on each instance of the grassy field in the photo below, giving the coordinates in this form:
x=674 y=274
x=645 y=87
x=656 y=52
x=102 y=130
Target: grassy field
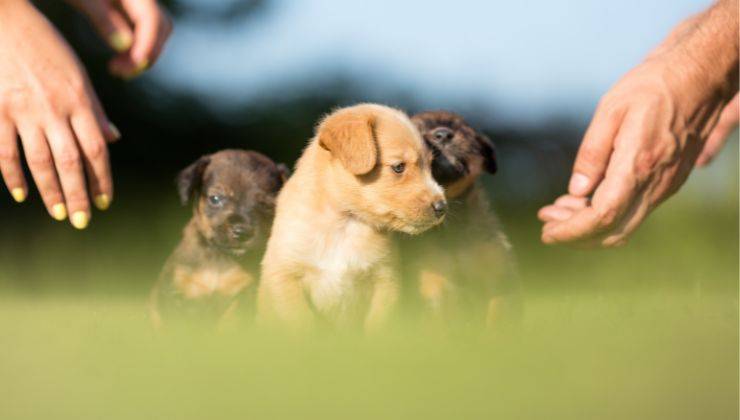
x=649 y=331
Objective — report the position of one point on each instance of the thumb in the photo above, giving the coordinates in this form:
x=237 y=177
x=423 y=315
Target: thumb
x=594 y=153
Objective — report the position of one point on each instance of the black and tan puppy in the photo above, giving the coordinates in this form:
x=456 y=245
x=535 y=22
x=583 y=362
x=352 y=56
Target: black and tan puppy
x=465 y=267
x=216 y=263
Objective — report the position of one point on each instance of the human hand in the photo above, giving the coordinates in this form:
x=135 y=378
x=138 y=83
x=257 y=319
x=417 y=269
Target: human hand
x=648 y=132
x=136 y=29
x=47 y=99
x=645 y=136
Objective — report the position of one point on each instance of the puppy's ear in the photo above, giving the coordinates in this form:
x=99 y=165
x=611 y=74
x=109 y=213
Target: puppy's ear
x=283 y=171
x=488 y=150
x=190 y=179
x=350 y=137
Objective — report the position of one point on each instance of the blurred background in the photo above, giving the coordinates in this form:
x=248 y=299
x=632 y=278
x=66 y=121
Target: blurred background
x=258 y=74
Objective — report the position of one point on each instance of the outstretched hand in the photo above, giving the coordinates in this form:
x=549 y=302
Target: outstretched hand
x=648 y=132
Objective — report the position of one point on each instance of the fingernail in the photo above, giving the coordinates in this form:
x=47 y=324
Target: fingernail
x=79 y=219
x=102 y=202
x=19 y=194
x=114 y=130
x=59 y=211
x=578 y=184
x=120 y=41
x=140 y=67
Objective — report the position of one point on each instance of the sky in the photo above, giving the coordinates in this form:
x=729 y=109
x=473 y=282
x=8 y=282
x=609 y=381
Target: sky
x=529 y=60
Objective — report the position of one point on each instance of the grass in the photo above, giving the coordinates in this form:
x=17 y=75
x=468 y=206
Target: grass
x=649 y=331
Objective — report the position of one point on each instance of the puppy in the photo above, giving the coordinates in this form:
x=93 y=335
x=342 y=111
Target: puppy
x=365 y=174
x=464 y=268
x=233 y=194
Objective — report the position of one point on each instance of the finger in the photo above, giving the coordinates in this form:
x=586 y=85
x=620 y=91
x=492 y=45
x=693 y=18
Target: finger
x=147 y=18
x=612 y=199
x=41 y=165
x=632 y=220
x=594 y=152
x=109 y=130
x=727 y=122
x=572 y=202
x=165 y=30
x=111 y=24
x=69 y=166
x=10 y=162
x=554 y=213
x=95 y=158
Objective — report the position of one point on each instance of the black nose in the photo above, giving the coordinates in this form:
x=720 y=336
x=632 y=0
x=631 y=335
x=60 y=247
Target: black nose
x=241 y=232
x=444 y=135
x=440 y=208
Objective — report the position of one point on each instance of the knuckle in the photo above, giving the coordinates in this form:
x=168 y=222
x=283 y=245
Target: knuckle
x=8 y=155
x=588 y=159
x=78 y=95
x=39 y=160
x=645 y=163
x=96 y=150
x=68 y=159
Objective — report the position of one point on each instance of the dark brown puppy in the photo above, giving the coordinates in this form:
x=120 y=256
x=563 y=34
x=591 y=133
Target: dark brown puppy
x=465 y=267
x=233 y=194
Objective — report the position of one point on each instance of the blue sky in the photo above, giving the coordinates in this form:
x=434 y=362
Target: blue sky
x=529 y=60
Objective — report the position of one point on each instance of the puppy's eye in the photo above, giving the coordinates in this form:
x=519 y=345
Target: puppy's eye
x=216 y=200
x=399 y=167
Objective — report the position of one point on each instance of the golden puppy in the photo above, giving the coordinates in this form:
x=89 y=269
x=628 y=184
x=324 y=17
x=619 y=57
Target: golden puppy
x=364 y=174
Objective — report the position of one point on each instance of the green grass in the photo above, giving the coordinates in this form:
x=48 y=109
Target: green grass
x=649 y=331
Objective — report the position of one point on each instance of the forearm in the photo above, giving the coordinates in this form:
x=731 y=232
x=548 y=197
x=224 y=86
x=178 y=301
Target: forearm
x=711 y=44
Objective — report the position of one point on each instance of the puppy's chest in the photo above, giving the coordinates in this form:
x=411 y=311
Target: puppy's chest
x=219 y=280
x=342 y=265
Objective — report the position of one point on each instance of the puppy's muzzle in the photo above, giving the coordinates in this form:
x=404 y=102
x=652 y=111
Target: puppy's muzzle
x=241 y=232
x=439 y=208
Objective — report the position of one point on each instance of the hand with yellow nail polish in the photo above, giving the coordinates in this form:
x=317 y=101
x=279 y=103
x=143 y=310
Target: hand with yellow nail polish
x=47 y=101
x=136 y=29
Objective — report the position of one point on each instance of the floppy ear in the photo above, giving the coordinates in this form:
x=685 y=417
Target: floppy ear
x=350 y=137
x=488 y=150
x=284 y=172
x=190 y=179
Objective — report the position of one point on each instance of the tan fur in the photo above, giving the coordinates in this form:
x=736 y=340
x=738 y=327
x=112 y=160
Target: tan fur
x=329 y=253
x=208 y=281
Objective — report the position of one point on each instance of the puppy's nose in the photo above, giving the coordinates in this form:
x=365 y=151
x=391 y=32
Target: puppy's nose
x=444 y=136
x=241 y=232
x=439 y=207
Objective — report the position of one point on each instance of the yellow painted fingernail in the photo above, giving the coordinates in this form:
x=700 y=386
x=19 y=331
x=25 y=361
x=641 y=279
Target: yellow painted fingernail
x=140 y=67
x=19 y=194
x=114 y=130
x=120 y=41
x=143 y=64
x=80 y=219
x=59 y=211
x=102 y=202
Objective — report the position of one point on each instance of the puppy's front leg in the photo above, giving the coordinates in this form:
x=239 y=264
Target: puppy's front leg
x=281 y=300
x=384 y=298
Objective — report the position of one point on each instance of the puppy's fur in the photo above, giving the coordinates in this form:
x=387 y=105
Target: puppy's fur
x=464 y=267
x=233 y=194
x=329 y=254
